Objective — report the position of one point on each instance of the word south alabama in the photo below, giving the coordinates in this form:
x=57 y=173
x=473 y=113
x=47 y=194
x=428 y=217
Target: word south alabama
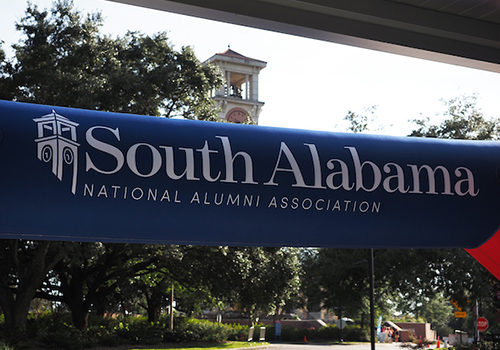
x=300 y=167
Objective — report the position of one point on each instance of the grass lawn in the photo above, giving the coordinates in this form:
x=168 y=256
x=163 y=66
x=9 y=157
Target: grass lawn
x=193 y=346
x=211 y=346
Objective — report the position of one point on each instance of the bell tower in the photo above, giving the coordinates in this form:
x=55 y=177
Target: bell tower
x=57 y=144
x=239 y=95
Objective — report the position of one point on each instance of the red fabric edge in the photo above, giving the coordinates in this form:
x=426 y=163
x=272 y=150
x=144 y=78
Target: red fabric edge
x=488 y=254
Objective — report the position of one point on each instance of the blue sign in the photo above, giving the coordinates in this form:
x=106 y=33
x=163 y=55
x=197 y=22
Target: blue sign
x=69 y=174
x=277 y=329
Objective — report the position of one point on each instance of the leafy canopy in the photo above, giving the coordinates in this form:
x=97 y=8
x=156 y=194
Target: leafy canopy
x=463 y=120
x=63 y=60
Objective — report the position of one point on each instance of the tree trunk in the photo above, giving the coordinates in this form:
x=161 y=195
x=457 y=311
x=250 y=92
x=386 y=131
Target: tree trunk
x=7 y=302
x=80 y=315
x=31 y=265
x=20 y=315
x=153 y=314
x=72 y=290
x=171 y=308
x=15 y=316
x=153 y=306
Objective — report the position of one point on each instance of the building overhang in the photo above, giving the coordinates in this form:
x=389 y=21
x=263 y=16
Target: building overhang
x=438 y=30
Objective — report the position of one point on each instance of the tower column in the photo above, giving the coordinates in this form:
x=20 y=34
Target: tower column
x=254 y=86
x=247 y=88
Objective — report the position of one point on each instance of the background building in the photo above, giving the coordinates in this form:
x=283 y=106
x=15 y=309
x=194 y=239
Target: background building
x=239 y=95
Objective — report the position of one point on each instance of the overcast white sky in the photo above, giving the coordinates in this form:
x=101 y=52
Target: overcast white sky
x=307 y=84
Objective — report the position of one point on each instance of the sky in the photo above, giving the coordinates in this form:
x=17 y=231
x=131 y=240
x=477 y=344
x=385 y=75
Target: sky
x=307 y=84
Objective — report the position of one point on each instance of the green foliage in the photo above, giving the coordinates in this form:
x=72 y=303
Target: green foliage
x=5 y=346
x=55 y=330
x=292 y=334
x=443 y=330
x=484 y=345
x=419 y=283
x=356 y=333
x=455 y=272
x=267 y=278
x=63 y=60
x=328 y=333
x=359 y=123
x=140 y=331
x=463 y=119
x=206 y=331
x=23 y=267
x=338 y=278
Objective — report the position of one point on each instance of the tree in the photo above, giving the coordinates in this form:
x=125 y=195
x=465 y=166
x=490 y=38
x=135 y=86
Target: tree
x=185 y=269
x=64 y=61
x=85 y=279
x=462 y=277
x=268 y=278
x=417 y=281
x=23 y=267
x=339 y=279
x=156 y=287
x=420 y=275
x=463 y=120
x=254 y=279
x=359 y=123
x=2 y=52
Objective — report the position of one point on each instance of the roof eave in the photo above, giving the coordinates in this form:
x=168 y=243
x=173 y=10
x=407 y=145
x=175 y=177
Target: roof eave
x=373 y=24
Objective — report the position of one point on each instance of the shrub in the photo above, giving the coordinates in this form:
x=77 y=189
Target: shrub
x=484 y=345
x=63 y=337
x=238 y=332
x=55 y=331
x=4 y=346
x=355 y=333
x=207 y=331
x=293 y=334
x=443 y=330
x=139 y=331
x=329 y=332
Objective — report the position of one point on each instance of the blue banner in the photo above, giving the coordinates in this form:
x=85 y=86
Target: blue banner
x=379 y=326
x=70 y=174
